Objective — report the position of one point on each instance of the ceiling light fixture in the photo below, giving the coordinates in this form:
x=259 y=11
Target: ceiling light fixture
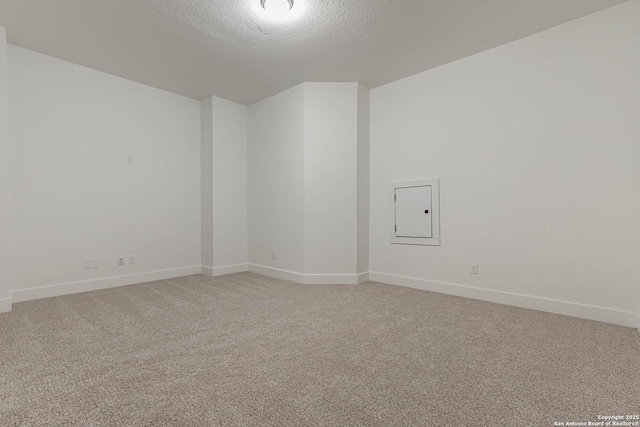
x=277 y=10
x=263 y=3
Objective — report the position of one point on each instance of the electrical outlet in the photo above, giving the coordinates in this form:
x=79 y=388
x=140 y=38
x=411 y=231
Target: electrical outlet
x=131 y=161
x=86 y=264
x=120 y=260
x=273 y=255
x=132 y=259
x=95 y=263
x=474 y=268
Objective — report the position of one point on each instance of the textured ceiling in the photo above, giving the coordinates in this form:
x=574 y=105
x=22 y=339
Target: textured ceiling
x=223 y=47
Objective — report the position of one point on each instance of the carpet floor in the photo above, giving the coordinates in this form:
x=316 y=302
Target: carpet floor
x=248 y=350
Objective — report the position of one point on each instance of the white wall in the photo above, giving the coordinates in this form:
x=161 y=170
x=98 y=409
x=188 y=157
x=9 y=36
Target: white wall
x=229 y=185
x=206 y=184
x=276 y=181
x=536 y=144
x=308 y=173
x=6 y=164
x=77 y=196
x=330 y=178
x=224 y=186
x=364 y=188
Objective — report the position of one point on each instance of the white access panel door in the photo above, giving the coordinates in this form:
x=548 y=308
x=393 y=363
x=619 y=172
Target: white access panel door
x=413 y=212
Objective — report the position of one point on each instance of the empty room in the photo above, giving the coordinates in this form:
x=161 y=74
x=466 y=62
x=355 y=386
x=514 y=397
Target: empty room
x=320 y=213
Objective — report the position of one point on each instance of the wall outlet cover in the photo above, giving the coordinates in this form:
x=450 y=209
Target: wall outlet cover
x=474 y=268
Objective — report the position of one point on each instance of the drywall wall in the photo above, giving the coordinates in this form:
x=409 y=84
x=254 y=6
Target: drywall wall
x=229 y=186
x=638 y=305
x=276 y=181
x=224 y=186
x=6 y=165
x=308 y=183
x=206 y=185
x=78 y=198
x=536 y=144
x=364 y=188
x=330 y=177
x=638 y=317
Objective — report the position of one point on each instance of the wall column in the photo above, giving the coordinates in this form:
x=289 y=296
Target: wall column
x=6 y=181
x=223 y=167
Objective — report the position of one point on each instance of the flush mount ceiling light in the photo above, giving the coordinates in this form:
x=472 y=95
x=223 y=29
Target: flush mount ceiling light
x=281 y=2
x=278 y=10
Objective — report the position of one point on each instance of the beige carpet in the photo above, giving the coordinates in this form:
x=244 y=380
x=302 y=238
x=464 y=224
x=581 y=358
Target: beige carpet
x=249 y=350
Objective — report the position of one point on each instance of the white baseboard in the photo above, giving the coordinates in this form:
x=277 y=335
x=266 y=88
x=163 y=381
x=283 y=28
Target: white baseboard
x=96 y=284
x=230 y=269
x=363 y=277
x=330 y=279
x=306 y=279
x=589 y=312
x=222 y=271
x=601 y=314
x=5 y=305
x=276 y=273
